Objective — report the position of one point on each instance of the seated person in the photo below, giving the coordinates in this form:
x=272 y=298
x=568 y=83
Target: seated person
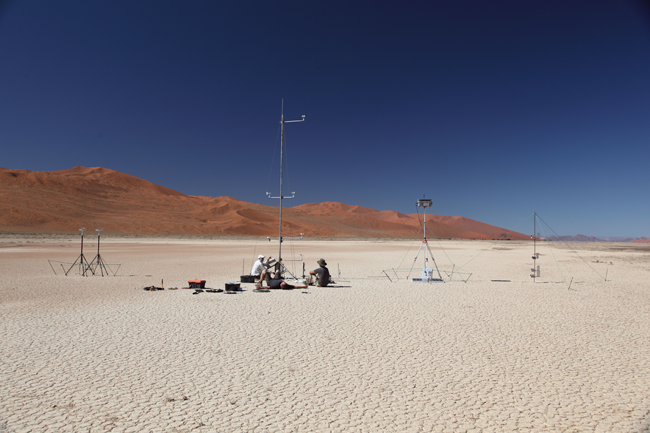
x=322 y=274
x=260 y=268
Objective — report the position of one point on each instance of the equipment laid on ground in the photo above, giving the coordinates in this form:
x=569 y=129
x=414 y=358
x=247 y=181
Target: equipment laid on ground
x=197 y=284
x=261 y=290
x=233 y=287
x=427 y=272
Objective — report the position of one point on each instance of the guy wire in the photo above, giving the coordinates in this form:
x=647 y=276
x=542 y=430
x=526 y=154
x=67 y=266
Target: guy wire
x=254 y=252
x=417 y=211
x=597 y=273
x=444 y=251
x=439 y=244
x=407 y=253
x=492 y=244
x=414 y=239
x=553 y=254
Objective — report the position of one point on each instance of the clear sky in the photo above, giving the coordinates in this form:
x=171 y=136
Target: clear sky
x=495 y=110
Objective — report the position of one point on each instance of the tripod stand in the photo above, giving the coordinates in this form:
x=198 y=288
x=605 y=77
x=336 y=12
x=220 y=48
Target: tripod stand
x=98 y=262
x=427 y=272
x=279 y=269
x=84 y=266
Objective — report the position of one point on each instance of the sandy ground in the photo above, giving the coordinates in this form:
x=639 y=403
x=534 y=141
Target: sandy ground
x=369 y=354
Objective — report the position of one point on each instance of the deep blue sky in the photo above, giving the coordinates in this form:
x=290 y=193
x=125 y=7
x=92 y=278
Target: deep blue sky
x=494 y=110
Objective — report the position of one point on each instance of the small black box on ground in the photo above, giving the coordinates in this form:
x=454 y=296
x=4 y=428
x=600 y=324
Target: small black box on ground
x=247 y=278
x=233 y=287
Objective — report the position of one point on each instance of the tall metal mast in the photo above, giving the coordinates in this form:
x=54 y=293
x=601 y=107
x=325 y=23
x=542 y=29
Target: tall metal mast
x=281 y=197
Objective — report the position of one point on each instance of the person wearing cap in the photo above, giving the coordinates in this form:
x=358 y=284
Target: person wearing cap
x=260 y=268
x=321 y=274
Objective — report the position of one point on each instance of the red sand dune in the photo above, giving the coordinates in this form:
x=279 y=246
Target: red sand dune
x=63 y=201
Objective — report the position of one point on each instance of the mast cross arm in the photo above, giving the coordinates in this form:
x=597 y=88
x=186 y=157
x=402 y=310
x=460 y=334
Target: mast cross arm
x=292 y=121
x=282 y=197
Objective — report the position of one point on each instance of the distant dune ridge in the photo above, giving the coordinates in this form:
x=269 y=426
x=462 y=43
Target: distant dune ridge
x=63 y=201
x=583 y=238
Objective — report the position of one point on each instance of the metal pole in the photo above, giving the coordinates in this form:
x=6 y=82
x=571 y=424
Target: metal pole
x=424 y=237
x=534 y=246
x=434 y=263
x=83 y=267
x=281 y=197
x=52 y=267
x=99 y=257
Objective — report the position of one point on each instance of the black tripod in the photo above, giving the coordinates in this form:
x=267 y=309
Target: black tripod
x=84 y=266
x=98 y=262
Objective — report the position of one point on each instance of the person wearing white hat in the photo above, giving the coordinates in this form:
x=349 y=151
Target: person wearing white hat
x=260 y=268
